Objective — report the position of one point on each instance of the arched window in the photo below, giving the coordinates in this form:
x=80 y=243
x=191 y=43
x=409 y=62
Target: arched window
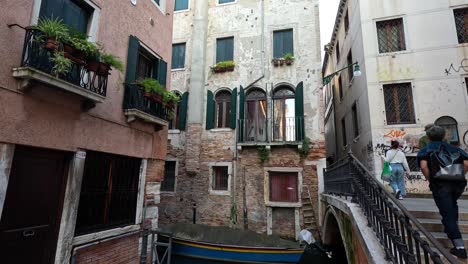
x=284 y=115
x=223 y=108
x=451 y=128
x=173 y=123
x=255 y=115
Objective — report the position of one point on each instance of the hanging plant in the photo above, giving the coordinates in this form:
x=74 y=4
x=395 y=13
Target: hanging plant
x=263 y=154
x=304 y=151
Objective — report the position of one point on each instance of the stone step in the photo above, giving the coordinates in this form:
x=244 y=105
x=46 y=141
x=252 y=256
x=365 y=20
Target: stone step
x=462 y=216
x=429 y=196
x=445 y=241
x=309 y=215
x=435 y=225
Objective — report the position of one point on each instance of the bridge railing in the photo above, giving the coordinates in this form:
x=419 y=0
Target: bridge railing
x=399 y=232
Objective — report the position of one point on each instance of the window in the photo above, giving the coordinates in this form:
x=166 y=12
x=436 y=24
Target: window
x=391 y=35
x=282 y=43
x=461 y=22
x=220 y=178
x=168 y=184
x=109 y=191
x=355 y=120
x=346 y=22
x=283 y=187
x=145 y=65
x=225 y=1
x=399 y=103
x=76 y=14
x=340 y=88
x=255 y=116
x=173 y=123
x=343 y=131
x=157 y=2
x=224 y=49
x=181 y=5
x=337 y=51
x=451 y=128
x=413 y=163
x=466 y=84
x=178 y=56
x=223 y=108
x=350 y=69
x=284 y=114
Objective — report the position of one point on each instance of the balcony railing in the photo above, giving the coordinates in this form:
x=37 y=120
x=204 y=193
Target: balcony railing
x=37 y=59
x=136 y=104
x=270 y=130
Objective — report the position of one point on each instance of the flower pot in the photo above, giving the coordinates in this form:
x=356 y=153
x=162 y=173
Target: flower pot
x=73 y=58
x=92 y=65
x=275 y=62
x=281 y=62
x=68 y=49
x=104 y=69
x=289 y=62
x=51 y=44
x=219 y=69
x=156 y=98
x=230 y=68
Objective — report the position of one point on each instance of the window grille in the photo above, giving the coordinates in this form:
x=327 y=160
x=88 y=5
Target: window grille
x=168 y=184
x=283 y=187
x=413 y=163
x=223 y=109
x=220 y=178
x=461 y=22
x=391 y=35
x=399 y=103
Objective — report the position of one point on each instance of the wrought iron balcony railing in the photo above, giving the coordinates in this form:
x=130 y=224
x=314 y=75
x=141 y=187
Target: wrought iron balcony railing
x=136 y=104
x=268 y=130
x=37 y=57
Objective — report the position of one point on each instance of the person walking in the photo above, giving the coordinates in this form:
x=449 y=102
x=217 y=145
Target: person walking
x=400 y=169
x=445 y=166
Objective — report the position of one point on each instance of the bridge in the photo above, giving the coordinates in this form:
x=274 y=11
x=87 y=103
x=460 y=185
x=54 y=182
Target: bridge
x=364 y=223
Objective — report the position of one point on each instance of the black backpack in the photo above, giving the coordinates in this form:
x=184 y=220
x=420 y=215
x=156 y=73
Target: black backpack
x=446 y=164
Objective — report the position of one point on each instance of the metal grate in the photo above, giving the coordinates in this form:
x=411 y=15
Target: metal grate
x=391 y=35
x=461 y=22
x=413 y=163
x=399 y=103
x=220 y=178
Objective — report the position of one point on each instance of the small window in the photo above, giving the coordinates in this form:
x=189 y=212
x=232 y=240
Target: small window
x=283 y=187
x=223 y=109
x=340 y=88
x=175 y=121
x=391 y=35
x=337 y=51
x=181 y=5
x=413 y=164
x=178 y=56
x=225 y=1
x=145 y=65
x=108 y=197
x=168 y=184
x=461 y=22
x=355 y=120
x=283 y=43
x=399 y=103
x=343 y=131
x=451 y=129
x=346 y=22
x=220 y=178
x=350 y=69
x=224 y=49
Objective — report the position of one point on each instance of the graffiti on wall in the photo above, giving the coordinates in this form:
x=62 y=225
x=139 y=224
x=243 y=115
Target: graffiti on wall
x=408 y=143
x=462 y=66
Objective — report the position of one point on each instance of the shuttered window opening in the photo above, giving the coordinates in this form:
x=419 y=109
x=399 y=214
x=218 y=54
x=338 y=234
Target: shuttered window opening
x=283 y=187
x=181 y=5
x=399 y=107
x=220 y=178
x=178 y=56
x=355 y=120
x=224 y=49
x=343 y=131
x=223 y=108
x=337 y=48
x=391 y=35
x=340 y=88
x=145 y=65
x=461 y=22
x=108 y=197
x=283 y=43
x=168 y=184
x=350 y=69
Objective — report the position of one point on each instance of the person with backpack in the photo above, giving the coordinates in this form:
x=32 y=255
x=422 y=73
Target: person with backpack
x=445 y=166
x=400 y=168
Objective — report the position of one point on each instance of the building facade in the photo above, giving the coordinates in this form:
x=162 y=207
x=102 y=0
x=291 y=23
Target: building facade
x=413 y=64
x=81 y=152
x=247 y=143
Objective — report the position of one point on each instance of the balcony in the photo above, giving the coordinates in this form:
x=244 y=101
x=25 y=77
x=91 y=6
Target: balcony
x=36 y=66
x=270 y=131
x=137 y=106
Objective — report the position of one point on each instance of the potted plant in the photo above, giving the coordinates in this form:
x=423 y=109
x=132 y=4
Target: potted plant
x=55 y=31
x=275 y=62
x=77 y=46
x=170 y=98
x=288 y=58
x=223 y=66
x=153 y=89
x=62 y=65
x=109 y=60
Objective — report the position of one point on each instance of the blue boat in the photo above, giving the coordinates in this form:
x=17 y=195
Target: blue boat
x=201 y=252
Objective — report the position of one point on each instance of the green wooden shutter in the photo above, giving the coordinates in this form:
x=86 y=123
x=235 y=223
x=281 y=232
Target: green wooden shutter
x=51 y=9
x=162 y=72
x=233 y=113
x=229 y=49
x=241 y=114
x=277 y=45
x=183 y=112
x=210 y=108
x=76 y=15
x=156 y=69
x=288 y=42
x=132 y=59
x=300 y=132
x=220 y=50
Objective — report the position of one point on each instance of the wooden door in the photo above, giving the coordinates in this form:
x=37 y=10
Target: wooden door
x=31 y=214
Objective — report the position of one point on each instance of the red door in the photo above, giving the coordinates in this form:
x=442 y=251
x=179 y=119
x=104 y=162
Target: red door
x=31 y=213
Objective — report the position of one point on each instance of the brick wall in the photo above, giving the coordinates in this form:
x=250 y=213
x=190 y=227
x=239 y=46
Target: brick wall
x=116 y=251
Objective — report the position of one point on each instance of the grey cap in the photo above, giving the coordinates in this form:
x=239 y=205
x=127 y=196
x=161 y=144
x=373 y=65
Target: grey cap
x=436 y=133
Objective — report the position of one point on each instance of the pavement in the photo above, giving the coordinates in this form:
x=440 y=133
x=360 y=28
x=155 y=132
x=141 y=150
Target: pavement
x=418 y=204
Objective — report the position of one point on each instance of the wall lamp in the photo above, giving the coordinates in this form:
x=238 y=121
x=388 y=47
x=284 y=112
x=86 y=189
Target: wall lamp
x=357 y=72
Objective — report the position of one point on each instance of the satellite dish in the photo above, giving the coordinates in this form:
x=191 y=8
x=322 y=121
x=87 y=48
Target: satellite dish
x=133 y=2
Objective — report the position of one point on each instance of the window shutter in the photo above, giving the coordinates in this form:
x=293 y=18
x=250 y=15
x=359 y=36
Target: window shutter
x=210 y=109
x=229 y=49
x=241 y=114
x=156 y=69
x=232 y=117
x=51 y=9
x=183 y=112
x=288 y=44
x=277 y=45
x=220 y=50
x=132 y=59
x=300 y=132
x=162 y=72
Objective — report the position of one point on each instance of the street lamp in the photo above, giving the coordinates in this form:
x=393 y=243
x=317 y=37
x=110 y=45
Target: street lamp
x=356 y=73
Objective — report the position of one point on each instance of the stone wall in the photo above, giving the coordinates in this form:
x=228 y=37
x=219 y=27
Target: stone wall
x=115 y=251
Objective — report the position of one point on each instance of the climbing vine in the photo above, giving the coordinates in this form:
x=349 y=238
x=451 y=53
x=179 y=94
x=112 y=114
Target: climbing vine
x=234 y=214
x=263 y=154
x=304 y=151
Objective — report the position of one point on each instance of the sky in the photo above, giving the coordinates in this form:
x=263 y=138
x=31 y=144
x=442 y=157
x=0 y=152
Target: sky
x=328 y=9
